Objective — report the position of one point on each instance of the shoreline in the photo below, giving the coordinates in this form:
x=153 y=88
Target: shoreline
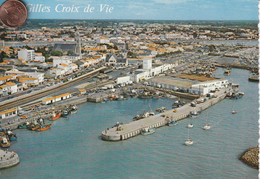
x=250 y=157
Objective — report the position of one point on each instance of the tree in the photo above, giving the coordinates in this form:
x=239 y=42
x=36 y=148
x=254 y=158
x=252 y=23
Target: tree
x=71 y=52
x=2 y=56
x=56 y=53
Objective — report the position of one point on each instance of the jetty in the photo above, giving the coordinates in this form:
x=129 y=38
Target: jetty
x=8 y=159
x=126 y=131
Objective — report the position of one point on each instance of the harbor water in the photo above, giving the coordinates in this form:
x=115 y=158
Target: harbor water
x=72 y=148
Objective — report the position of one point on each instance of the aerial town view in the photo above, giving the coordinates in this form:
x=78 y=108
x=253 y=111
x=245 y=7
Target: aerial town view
x=116 y=98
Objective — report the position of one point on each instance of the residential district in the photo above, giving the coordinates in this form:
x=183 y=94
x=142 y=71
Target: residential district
x=45 y=71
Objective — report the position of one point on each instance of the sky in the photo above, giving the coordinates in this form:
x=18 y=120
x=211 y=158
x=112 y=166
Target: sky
x=144 y=9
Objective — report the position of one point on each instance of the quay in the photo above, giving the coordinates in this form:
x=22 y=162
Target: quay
x=126 y=131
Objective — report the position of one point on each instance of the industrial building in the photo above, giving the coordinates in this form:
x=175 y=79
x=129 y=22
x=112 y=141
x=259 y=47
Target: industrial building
x=57 y=98
x=8 y=113
x=187 y=85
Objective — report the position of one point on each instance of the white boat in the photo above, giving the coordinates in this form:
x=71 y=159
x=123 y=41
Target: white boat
x=188 y=141
x=234 y=112
x=190 y=126
x=148 y=131
x=207 y=126
x=151 y=113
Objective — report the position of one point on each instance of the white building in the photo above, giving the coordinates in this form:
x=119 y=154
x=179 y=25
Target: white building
x=123 y=80
x=8 y=88
x=205 y=87
x=57 y=98
x=37 y=75
x=26 y=55
x=147 y=64
x=39 y=58
x=8 y=113
x=103 y=40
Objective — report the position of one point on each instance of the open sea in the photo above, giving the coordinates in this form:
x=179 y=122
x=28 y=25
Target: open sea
x=72 y=148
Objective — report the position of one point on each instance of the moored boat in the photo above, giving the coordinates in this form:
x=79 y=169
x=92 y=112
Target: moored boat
x=22 y=126
x=5 y=143
x=194 y=114
x=65 y=113
x=56 y=116
x=189 y=141
x=44 y=128
x=190 y=125
x=11 y=136
x=148 y=131
x=172 y=123
x=254 y=78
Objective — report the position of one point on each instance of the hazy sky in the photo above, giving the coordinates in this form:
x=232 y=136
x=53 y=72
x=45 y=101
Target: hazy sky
x=149 y=9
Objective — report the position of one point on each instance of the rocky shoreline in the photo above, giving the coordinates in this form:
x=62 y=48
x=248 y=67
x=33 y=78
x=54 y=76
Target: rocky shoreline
x=250 y=157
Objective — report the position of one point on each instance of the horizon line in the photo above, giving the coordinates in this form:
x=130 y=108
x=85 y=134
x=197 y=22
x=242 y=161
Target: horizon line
x=154 y=19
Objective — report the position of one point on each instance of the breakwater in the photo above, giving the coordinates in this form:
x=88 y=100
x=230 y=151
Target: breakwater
x=126 y=131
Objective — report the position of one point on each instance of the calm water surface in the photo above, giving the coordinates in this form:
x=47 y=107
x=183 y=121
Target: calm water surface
x=72 y=147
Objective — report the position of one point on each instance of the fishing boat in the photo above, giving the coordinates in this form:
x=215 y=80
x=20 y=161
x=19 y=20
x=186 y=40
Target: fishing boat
x=141 y=116
x=33 y=126
x=74 y=109
x=11 y=136
x=194 y=114
x=56 y=116
x=44 y=128
x=227 y=71
x=188 y=141
x=65 y=113
x=148 y=131
x=5 y=143
x=145 y=95
x=22 y=126
x=254 y=78
x=177 y=104
x=172 y=123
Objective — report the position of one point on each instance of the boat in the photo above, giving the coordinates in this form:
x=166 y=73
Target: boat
x=254 y=78
x=172 y=123
x=5 y=143
x=151 y=113
x=194 y=114
x=177 y=104
x=33 y=126
x=44 y=128
x=141 y=116
x=56 y=116
x=22 y=126
x=145 y=95
x=74 y=109
x=207 y=126
x=227 y=71
x=234 y=112
x=148 y=131
x=65 y=113
x=190 y=126
x=11 y=136
x=188 y=141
